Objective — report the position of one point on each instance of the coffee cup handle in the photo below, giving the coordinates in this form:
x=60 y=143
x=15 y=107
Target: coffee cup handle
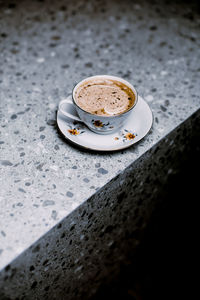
x=65 y=113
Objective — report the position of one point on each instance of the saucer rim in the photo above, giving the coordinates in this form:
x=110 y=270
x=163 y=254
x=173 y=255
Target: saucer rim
x=108 y=149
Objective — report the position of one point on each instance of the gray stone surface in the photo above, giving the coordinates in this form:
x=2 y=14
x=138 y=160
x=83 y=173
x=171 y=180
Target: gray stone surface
x=88 y=247
x=45 y=49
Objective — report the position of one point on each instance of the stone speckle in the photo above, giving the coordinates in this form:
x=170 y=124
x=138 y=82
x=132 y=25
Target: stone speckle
x=86 y=180
x=54 y=214
x=21 y=190
x=97 y=165
x=102 y=171
x=6 y=163
x=3 y=233
x=69 y=194
x=13 y=117
x=48 y=203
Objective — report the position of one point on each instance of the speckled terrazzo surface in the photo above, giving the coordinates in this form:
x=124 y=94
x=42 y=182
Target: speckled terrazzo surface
x=45 y=49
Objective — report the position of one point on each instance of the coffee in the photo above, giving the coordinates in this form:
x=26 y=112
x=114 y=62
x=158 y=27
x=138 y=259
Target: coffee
x=104 y=97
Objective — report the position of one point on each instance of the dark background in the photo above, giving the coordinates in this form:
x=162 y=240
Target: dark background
x=165 y=264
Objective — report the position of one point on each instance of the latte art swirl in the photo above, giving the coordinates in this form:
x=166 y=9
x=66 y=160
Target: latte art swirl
x=104 y=97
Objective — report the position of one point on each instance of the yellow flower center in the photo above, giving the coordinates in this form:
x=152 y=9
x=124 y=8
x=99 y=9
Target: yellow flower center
x=130 y=136
x=73 y=131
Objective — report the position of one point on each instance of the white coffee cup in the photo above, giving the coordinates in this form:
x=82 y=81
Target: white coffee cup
x=97 y=123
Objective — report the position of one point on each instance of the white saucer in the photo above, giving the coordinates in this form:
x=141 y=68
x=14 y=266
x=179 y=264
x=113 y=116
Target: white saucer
x=136 y=127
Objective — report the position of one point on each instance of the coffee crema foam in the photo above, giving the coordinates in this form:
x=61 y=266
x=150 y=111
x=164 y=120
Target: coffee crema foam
x=104 y=97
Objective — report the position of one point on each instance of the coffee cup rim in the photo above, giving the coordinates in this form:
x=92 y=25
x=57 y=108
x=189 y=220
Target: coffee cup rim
x=108 y=77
